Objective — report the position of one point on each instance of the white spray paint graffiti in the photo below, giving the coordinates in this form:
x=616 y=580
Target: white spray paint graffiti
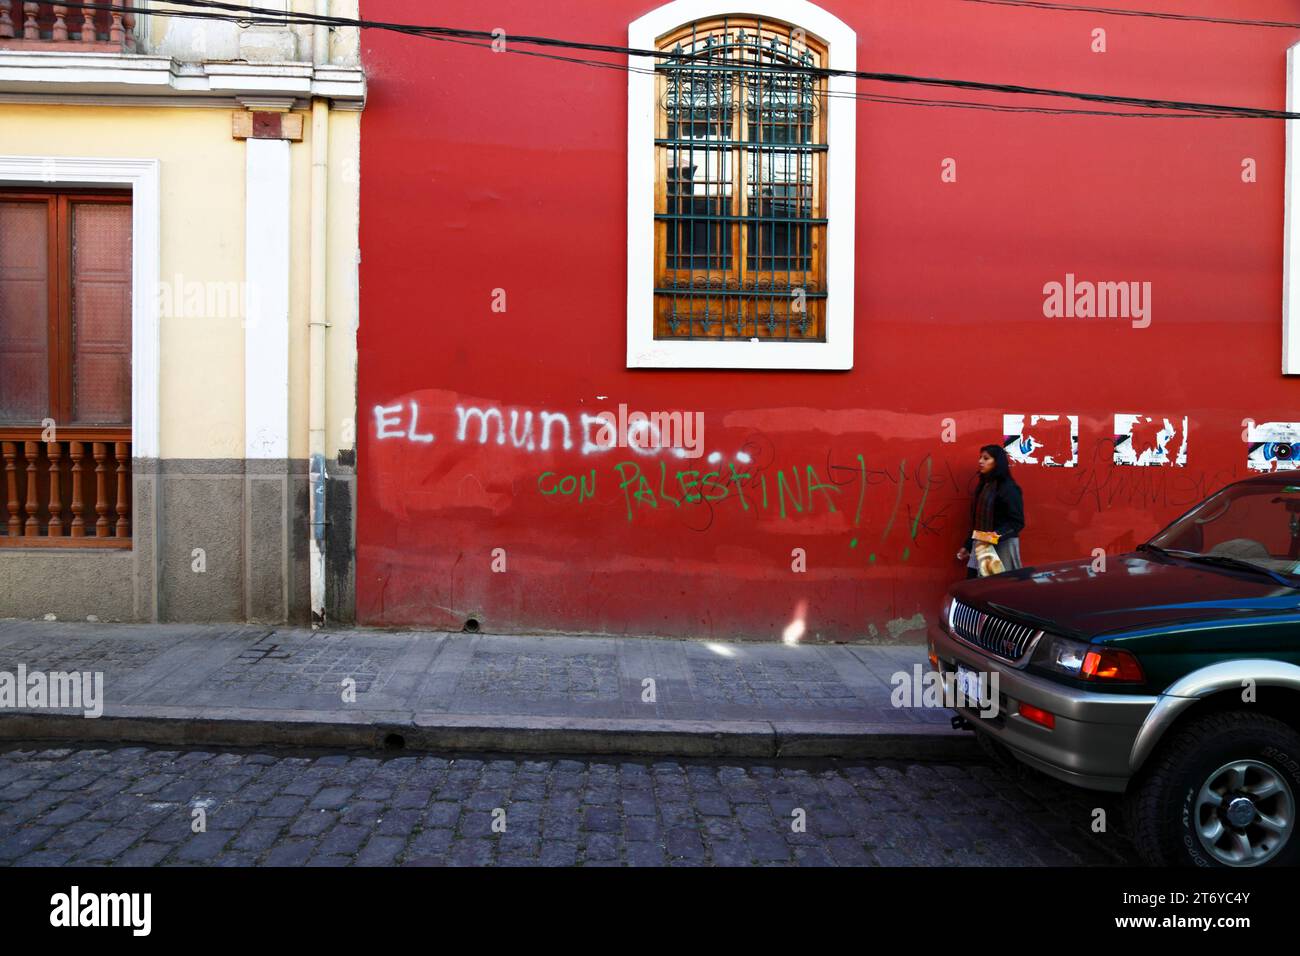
x=1021 y=444
x=644 y=434
x=388 y=416
x=525 y=440
x=1127 y=451
x=1272 y=446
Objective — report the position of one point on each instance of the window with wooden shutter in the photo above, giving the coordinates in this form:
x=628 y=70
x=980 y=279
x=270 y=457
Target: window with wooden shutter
x=65 y=368
x=740 y=204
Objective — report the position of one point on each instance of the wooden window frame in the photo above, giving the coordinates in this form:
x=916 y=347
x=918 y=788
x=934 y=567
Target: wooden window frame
x=86 y=471
x=59 y=403
x=740 y=303
x=143 y=177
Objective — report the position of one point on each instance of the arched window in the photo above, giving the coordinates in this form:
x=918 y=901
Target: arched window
x=739 y=260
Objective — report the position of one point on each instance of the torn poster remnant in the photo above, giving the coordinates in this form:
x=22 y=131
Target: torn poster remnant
x=1043 y=441
x=1273 y=446
x=1136 y=445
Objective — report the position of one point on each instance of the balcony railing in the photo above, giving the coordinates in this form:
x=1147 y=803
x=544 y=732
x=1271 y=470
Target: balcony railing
x=56 y=26
x=66 y=494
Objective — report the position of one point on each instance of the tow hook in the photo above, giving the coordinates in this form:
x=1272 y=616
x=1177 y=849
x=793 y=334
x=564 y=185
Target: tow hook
x=961 y=723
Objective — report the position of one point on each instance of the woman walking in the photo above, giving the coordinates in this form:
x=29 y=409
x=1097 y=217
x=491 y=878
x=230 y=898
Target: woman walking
x=997 y=518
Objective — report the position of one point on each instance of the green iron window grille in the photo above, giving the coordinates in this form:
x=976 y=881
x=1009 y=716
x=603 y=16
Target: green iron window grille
x=740 y=203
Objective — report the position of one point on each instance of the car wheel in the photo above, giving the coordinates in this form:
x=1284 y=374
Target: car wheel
x=1222 y=792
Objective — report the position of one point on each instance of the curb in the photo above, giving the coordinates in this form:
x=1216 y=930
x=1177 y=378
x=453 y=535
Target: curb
x=392 y=731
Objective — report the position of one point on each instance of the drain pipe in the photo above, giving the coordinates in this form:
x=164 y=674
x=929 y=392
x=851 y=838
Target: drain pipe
x=320 y=119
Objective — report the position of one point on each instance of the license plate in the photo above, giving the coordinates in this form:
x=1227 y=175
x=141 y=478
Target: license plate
x=968 y=684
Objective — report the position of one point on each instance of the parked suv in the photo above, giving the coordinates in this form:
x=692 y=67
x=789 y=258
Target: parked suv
x=1171 y=674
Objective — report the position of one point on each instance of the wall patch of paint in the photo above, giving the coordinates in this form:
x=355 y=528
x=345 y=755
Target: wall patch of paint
x=1136 y=445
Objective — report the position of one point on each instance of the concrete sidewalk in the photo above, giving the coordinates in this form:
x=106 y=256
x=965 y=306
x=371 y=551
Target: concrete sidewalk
x=246 y=685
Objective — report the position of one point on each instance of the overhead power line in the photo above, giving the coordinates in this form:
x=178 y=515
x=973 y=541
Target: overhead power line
x=1149 y=14
x=251 y=15
x=886 y=99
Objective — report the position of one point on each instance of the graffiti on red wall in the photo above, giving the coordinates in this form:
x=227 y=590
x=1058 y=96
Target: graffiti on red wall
x=439 y=459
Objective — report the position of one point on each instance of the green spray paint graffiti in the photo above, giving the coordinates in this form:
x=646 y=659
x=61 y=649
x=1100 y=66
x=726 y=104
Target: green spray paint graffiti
x=583 y=485
x=791 y=490
x=783 y=494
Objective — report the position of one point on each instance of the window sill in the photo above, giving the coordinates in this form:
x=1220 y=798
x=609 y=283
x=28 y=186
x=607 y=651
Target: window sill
x=67 y=545
x=757 y=355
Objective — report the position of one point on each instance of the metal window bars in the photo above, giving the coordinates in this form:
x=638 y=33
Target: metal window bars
x=740 y=209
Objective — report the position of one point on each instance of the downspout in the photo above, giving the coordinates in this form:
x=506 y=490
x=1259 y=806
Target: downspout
x=320 y=119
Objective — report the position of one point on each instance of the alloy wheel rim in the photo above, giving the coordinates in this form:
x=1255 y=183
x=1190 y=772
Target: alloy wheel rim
x=1245 y=813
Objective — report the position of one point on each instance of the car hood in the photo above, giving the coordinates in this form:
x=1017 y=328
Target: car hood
x=1134 y=592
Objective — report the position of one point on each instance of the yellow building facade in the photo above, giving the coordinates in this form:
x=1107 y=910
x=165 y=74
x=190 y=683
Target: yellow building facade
x=178 y=315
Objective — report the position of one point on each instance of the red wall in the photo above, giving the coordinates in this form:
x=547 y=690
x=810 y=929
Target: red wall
x=487 y=171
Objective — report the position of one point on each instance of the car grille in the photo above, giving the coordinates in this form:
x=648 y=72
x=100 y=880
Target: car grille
x=991 y=633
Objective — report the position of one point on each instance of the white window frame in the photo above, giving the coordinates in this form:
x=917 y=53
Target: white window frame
x=1291 y=230
x=643 y=349
x=143 y=177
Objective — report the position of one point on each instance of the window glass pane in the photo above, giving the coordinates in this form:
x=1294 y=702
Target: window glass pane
x=699 y=184
x=780 y=190
x=101 y=313
x=699 y=104
x=24 y=311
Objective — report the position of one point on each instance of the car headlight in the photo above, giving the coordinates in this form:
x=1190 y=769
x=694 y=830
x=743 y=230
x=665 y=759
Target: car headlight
x=1061 y=655
x=1090 y=662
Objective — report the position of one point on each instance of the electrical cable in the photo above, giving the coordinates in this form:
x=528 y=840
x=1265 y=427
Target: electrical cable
x=883 y=98
x=1051 y=5
x=251 y=15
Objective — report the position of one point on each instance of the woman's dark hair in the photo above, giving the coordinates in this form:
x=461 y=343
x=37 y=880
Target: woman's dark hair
x=1001 y=465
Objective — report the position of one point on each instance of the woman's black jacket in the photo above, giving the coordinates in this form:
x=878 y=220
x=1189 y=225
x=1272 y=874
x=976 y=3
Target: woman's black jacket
x=1008 y=512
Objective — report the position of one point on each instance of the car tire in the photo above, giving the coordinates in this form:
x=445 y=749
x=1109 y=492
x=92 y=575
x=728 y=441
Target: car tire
x=1172 y=804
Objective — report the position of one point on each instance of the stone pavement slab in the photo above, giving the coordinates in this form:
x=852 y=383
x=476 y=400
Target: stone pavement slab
x=250 y=685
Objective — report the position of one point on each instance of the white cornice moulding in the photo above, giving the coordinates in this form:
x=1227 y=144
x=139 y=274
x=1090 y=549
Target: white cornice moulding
x=118 y=76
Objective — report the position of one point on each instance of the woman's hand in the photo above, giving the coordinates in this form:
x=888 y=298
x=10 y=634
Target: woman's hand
x=963 y=555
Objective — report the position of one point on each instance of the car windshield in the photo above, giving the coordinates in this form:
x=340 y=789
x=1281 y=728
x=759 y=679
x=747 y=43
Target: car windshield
x=1246 y=524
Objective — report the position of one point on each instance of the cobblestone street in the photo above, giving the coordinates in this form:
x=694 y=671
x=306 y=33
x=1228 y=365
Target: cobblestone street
x=135 y=806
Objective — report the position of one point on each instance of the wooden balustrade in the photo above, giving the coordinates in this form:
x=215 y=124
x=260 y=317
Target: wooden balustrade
x=51 y=488
x=58 y=26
